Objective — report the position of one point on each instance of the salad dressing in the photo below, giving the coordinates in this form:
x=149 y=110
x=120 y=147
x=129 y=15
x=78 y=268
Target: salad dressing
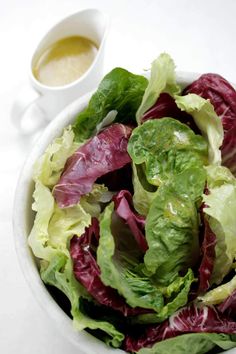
x=65 y=61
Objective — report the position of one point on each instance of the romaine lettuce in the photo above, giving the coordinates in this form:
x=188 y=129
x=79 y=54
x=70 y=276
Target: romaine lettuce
x=176 y=295
x=119 y=90
x=166 y=147
x=117 y=260
x=172 y=226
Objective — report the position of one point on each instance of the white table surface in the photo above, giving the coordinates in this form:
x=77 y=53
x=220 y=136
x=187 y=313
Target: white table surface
x=200 y=36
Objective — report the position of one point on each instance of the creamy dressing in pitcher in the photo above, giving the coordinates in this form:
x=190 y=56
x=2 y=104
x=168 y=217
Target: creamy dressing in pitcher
x=65 y=61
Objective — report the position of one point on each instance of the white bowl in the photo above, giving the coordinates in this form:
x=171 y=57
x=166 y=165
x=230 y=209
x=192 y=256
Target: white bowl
x=23 y=220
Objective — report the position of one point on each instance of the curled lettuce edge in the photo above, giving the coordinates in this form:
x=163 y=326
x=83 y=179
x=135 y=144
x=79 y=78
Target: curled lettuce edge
x=162 y=79
x=207 y=121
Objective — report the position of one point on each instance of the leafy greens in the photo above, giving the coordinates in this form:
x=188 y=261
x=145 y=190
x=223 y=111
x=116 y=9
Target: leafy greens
x=135 y=216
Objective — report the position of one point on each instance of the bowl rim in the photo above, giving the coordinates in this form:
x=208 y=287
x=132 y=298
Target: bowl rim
x=21 y=205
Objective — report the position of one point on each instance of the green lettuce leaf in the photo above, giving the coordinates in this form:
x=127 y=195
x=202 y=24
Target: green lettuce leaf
x=162 y=79
x=221 y=208
x=176 y=297
x=119 y=90
x=172 y=226
x=142 y=198
x=166 y=147
x=207 y=121
x=49 y=166
x=194 y=343
x=219 y=294
x=121 y=268
x=93 y=201
x=117 y=257
x=43 y=206
x=59 y=273
x=53 y=227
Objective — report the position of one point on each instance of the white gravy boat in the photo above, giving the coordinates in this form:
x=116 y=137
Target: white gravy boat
x=38 y=103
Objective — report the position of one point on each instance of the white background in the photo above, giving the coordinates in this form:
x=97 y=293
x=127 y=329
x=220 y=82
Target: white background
x=200 y=35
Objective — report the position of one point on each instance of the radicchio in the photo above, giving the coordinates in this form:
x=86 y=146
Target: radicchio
x=190 y=319
x=124 y=209
x=165 y=106
x=103 y=153
x=228 y=307
x=208 y=257
x=87 y=272
x=223 y=97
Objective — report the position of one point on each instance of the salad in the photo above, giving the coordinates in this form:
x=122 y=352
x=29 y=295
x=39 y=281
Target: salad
x=135 y=213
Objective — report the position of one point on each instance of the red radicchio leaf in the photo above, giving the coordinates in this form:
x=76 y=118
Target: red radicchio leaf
x=165 y=106
x=208 y=257
x=103 y=153
x=228 y=307
x=190 y=319
x=124 y=208
x=87 y=272
x=223 y=97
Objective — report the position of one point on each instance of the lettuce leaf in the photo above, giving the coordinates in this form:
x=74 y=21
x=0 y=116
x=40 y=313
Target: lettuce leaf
x=53 y=227
x=207 y=121
x=172 y=226
x=142 y=198
x=59 y=273
x=221 y=208
x=119 y=90
x=219 y=294
x=176 y=296
x=49 y=166
x=194 y=343
x=127 y=275
x=39 y=238
x=92 y=202
x=223 y=97
x=117 y=259
x=162 y=79
x=166 y=147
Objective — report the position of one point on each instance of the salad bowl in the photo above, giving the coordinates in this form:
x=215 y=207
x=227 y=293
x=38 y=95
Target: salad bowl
x=23 y=219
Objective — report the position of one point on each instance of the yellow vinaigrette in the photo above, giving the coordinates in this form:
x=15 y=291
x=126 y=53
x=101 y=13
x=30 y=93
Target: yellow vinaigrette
x=65 y=61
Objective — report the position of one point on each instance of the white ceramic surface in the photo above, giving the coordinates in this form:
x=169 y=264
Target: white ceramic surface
x=50 y=100
x=22 y=223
